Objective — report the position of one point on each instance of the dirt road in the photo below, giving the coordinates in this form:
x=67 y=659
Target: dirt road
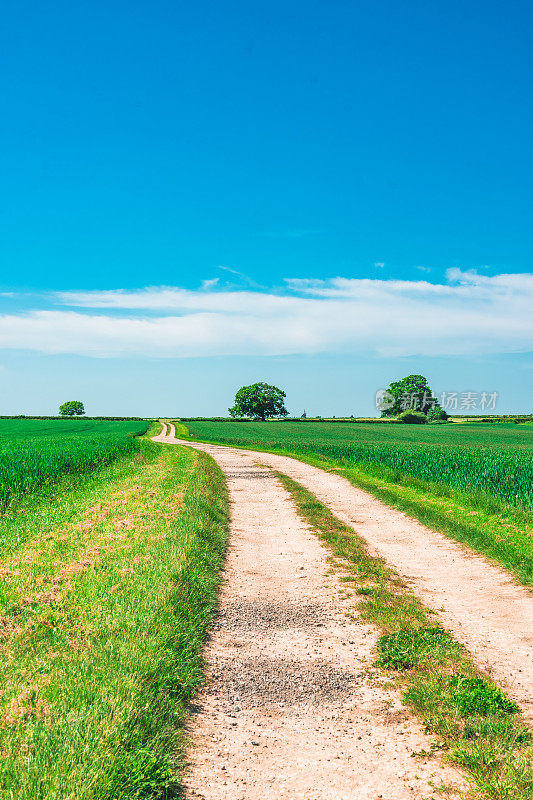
x=481 y=603
x=293 y=706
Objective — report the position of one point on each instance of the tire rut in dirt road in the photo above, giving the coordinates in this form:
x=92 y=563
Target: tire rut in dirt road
x=478 y=601
x=293 y=706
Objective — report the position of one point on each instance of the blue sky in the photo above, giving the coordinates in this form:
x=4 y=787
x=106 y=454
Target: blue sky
x=333 y=194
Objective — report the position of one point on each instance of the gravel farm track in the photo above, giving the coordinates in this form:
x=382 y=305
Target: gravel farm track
x=293 y=706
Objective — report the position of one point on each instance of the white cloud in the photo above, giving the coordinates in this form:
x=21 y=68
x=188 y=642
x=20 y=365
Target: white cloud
x=469 y=314
x=167 y=298
x=210 y=283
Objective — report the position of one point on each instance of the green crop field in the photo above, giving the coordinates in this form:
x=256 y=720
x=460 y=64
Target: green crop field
x=494 y=459
x=36 y=453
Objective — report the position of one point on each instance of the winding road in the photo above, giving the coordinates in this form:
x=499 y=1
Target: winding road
x=290 y=689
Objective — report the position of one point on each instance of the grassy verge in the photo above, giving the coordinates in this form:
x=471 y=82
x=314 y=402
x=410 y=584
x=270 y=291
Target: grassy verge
x=484 y=522
x=106 y=595
x=476 y=725
x=181 y=430
x=154 y=429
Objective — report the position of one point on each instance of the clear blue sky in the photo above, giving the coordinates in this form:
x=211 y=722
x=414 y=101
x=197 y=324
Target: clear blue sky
x=166 y=144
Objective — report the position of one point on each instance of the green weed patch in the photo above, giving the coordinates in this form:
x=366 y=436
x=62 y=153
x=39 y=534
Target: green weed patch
x=473 y=695
x=410 y=647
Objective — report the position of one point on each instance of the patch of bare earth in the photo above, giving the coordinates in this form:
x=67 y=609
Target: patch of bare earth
x=293 y=706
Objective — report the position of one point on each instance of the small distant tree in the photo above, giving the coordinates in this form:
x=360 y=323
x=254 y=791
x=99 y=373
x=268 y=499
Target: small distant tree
x=72 y=408
x=304 y=415
x=260 y=401
x=411 y=393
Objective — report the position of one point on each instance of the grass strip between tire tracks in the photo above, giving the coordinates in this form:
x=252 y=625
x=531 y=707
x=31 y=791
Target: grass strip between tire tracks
x=475 y=724
x=105 y=600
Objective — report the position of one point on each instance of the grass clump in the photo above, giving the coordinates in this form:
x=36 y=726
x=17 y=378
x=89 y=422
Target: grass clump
x=410 y=647
x=478 y=727
x=475 y=695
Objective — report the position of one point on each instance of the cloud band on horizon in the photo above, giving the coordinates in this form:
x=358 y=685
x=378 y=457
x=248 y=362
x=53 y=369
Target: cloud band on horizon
x=469 y=314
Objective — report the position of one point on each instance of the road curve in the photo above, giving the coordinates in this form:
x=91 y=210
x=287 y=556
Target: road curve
x=293 y=705
x=481 y=603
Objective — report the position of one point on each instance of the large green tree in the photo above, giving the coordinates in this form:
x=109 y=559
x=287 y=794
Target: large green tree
x=412 y=392
x=260 y=401
x=72 y=408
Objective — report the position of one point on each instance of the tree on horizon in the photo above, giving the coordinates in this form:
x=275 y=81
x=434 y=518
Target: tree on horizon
x=72 y=408
x=411 y=392
x=260 y=401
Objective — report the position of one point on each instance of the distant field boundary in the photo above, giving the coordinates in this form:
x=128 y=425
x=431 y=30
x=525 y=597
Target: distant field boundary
x=81 y=418
x=370 y=420
x=508 y=418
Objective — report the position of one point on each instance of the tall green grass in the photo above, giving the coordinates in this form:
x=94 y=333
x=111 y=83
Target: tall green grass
x=104 y=606
x=36 y=453
x=476 y=458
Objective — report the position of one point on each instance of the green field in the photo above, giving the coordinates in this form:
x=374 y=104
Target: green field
x=37 y=453
x=497 y=460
